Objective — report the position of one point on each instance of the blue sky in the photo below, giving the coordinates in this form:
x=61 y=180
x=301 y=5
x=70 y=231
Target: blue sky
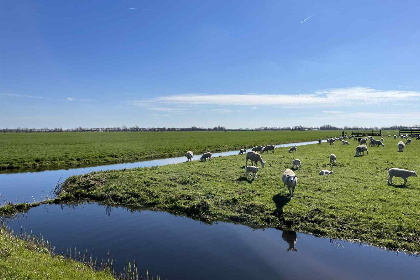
x=207 y=63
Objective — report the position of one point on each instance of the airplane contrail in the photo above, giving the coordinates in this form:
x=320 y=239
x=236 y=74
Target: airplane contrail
x=306 y=19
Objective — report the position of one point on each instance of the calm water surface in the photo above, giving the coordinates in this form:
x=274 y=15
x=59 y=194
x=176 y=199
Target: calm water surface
x=182 y=248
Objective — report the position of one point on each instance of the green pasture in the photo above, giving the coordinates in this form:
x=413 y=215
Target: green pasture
x=40 y=151
x=355 y=203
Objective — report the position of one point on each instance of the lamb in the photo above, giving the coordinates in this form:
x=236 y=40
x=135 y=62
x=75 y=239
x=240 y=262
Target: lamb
x=242 y=151
x=289 y=179
x=345 y=142
x=360 y=149
x=325 y=172
x=293 y=149
x=408 y=141
x=402 y=173
x=251 y=169
x=297 y=163
x=189 y=155
x=254 y=157
x=401 y=146
x=376 y=142
x=333 y=159
x=206 y=156
x=257 y=148
x=268 y=148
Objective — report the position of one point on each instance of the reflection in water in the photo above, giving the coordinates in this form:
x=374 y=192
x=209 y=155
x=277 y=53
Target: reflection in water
x=290 y=237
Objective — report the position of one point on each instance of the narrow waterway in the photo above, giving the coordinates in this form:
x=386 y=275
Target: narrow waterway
x=181 y=248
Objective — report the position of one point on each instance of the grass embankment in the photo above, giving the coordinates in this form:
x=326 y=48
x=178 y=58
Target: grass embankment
x=40 y=151
x=355 y=203
x=23 y=259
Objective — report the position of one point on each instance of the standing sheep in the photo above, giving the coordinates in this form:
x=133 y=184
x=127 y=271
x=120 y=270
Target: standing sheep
x=206 y=156
x=345 y=142
x=319 y=141
x=297 y=163
x=360 y=149
x=333 y=159
x=268 y=148
x=402 y=173
x=289 y=179
x=251 y=169
x=257 y=148
x=401 y=146
x=254 y=157
x=242 y=151
x=395 y=137
x=408 y=141
x=293 y=149
x=189 y=155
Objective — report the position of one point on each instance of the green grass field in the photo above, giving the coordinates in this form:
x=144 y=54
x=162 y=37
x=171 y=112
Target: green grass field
x=354 y=203
x=40 y=151
x=21 y=259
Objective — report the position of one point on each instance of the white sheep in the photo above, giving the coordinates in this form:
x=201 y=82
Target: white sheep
x=331 y=141
x=395 y=137
x=345 y=142
x=189 y=155
x=361 y=149
x=289 y=179
x=333 y=159
x=268 y=148
x=254 y=157
x=402 y=173
x=374 y=142
x=363 y=141
x=401 y=146
x=242 y=151
x=382 y=139
x=293 y=149
x=297 y=163
x=325 y=172
x=206 y=156
x=251 y=169
x=257 y=148
x=408 y=141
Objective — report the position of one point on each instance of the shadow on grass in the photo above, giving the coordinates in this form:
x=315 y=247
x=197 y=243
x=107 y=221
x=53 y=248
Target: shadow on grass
x=243 y=178
x=281 y=201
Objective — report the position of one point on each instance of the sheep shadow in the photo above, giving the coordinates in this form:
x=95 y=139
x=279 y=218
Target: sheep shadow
x=401 y=186
x=243 y=178
x=281 y=201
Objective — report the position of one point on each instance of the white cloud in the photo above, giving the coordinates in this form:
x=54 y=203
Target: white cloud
x=322 y=98
x=334 y=112
x=23 y=95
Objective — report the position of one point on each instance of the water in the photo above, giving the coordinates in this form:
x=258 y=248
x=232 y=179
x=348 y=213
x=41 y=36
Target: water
x=181 y=248
x=30 y=186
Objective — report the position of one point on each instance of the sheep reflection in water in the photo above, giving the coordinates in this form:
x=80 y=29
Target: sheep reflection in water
x=290 y=237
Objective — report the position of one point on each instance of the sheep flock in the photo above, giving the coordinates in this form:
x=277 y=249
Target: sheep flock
x=290 y=178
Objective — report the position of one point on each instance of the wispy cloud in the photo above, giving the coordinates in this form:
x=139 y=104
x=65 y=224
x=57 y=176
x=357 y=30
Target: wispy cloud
x=23 y=95
x=306 y=19
x=76 y=99
x=132 y=8
x=322 y=98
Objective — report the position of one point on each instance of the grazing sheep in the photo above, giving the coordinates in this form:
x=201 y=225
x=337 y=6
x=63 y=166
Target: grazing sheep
x=395 y=137
x=257 y=148
x=254 y=157
x=289 y=179
x=374 y=142
x=402 y=173
x=363 y=141
x=325 y=172
x=408 y=141
x=345 y=142
x=297 y=163
x=242 y=151
x=331 y=141
x=401 y=146
x=206 y=156
x=293 y=149
x=251 y=169
x=382 y=139
x=319 y=141
x=268 y=148
x=360 y=149
x=189 y=155
x=333 y=159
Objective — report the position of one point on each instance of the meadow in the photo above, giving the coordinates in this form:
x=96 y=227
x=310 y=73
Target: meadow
x=355 y=203
x=42 y=151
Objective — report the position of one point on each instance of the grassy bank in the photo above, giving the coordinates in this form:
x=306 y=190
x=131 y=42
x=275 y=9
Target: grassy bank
x=21 y=259
x=355 y=203
x=39 y=151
